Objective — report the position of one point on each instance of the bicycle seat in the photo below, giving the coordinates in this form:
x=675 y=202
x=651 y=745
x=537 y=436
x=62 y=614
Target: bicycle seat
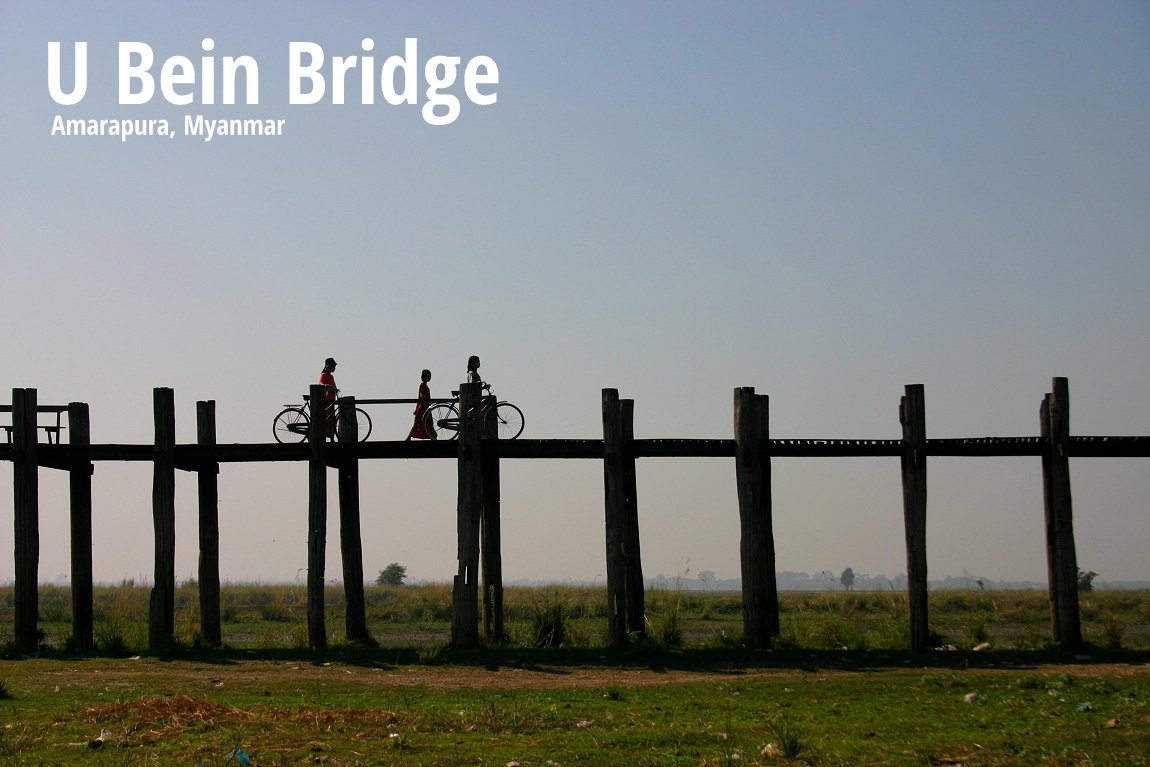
x=455 y=393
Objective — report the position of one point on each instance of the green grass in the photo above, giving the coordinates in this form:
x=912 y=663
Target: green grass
x=353 y=707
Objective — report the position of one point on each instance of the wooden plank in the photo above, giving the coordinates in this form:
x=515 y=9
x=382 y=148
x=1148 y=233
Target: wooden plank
x=189 y=457
x=839 y=448
x=207 y=484
x=912 y=414
x=416 y=448
x=1109 y=447
x=162 y=605
x=756 y=540
x=682 y=448
x=399 y=401
x=63 y=454
x=984 y=446
x=39 y=409
x=80 y=525
x=550 y=448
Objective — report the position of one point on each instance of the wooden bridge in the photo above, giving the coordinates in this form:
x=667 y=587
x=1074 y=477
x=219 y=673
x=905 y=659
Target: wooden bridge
x=478 y=458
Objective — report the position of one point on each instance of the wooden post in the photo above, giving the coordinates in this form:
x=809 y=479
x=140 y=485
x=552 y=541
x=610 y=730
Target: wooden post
x=490 y=545
x=26 y=522
x=162 y=606
x=757 y=540
x=80 y=517
x=207 y=478
x=316 y=518
x=350 y=535
x=912 y=414
x=633 y=561
x=465 y=586
x=1062 y=561
x=615 y=520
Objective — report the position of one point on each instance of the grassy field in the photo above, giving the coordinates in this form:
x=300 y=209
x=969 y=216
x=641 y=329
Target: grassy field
x=274 y=617
x=838 y=689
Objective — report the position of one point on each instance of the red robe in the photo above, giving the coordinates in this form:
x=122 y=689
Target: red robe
x=417 y=430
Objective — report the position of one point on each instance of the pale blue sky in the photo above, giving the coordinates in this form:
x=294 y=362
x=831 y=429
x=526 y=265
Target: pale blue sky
x=825 y=201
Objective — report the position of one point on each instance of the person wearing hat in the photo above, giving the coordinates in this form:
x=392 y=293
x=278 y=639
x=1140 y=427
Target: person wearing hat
x=327 y=380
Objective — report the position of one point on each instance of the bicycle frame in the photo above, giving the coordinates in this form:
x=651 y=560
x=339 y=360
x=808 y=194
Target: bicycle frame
x=293 y=424
x=499 y=419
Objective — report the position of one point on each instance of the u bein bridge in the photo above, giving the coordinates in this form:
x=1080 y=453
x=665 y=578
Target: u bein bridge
x=478 y=457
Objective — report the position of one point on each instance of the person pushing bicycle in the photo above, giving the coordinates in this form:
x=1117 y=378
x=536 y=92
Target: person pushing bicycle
x=473 y=375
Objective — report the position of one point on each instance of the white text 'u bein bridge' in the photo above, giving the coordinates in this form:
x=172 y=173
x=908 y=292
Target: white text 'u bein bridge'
x=477 y=595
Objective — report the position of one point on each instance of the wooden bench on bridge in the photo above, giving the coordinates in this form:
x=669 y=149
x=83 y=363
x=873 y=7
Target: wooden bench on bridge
x=51 y=431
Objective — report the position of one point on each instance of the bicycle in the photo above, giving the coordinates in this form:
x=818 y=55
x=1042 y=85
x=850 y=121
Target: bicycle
x=293 y=422
x=502 y=420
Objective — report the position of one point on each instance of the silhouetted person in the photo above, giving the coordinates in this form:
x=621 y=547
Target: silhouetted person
x=327 y=381
x=417 y=429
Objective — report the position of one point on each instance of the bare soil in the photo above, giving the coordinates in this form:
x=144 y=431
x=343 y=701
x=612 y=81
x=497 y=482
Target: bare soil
x=143 y=672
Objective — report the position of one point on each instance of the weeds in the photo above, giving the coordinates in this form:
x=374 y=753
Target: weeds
x=110 y=640
x=615 y=693
x=550 y=624
x=787 y=739
x=1112 y=633
x=273 y=616
x=974 y=634
x=432 y=655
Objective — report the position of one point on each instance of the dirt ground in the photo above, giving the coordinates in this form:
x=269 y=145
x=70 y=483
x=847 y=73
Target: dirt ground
x=537 y=677
x=132 y=673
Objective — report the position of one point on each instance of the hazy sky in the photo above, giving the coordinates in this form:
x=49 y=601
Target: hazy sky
x=825 y=201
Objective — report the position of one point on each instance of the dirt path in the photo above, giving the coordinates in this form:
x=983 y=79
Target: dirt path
x=144 y=672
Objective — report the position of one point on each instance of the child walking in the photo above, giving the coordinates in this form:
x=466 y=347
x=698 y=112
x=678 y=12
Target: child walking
x=417 y=429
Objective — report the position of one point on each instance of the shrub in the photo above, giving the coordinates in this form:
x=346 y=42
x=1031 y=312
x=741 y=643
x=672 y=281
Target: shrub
x=550 y=625
x=1112 y=633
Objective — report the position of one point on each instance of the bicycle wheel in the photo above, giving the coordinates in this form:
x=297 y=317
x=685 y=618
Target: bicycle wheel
x=362 y=424
x=291 y=425
x=442 y=417
x=504 y=421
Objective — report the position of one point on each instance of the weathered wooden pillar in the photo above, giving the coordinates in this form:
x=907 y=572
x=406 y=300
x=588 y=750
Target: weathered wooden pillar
x=465 y=585
x=912 y=414
x=633 y=561
x=80 y=518
x=350 y=535
x=490 y=548
x=316 y=519
x=162 y=606
x=757 y=540
x=207 y=478
x=615 y=519
x=1062 y=561
x=26 y=522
